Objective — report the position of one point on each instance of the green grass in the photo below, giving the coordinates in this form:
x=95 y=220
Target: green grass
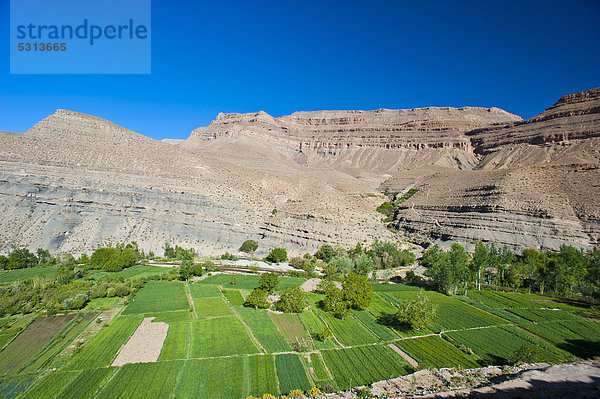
x=159 y=296
x=291 y=373
x=234 y=297
x=102 y=349
x=495 y=345
x=453 y=314
x=243 y=282
x=393 y=287
x=11 y=276
x=135 y=272
x=177 y=341
x=543 y=315
x=204 y=291
x=143 y=380
x=384 y=333
x=264 y=330
x=319 y=371
x=211 y=307
x=313 y=325
x=102 y=303
x=290 y=326
x=50 y=386
x=364 y=365
x=86 y=383
x=435 y=352
x=262 y=375
x=579 y=337
x=220 y=336
x=171 y=317
x=348 y=331
x=213 y=378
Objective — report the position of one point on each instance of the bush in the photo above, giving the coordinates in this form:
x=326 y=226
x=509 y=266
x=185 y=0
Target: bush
x=527 y=353
x=291 y=301
x=325 y=253
x=257 y=299
x=249 y=247
x=277 y=255
x=324 y=334
x=358 y=291
x=417 y=313
x=77 y=302
x=268 y=282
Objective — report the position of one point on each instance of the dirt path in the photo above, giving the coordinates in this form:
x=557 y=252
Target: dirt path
x=188 y=293
x=409 y=359
x=145 y=344
x=250 y=333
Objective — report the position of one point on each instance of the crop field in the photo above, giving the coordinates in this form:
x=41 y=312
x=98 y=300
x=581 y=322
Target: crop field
x=11 y=276
x=143 y=380
x=364 y=364
x=204 y=291
x=27 y=344
x=215 y=378
x=242 y=282
x=348 y=331
x=135 y=272
x=177 y=342
x=435 y=352
x=234 y=297
x=581 y=338
x=495 y=345
x=313 y=325
x=159 y=296
x=291 y=372
x=11 y=387
x=221 y=336
x=101 y=351
x=291 y=327
x=264 y=330
x=225 y=350
x=211 y=307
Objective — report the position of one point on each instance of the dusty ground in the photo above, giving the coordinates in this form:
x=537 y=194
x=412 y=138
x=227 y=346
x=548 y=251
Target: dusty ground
x=568 y=380
x=310 y=285
x=145 y=344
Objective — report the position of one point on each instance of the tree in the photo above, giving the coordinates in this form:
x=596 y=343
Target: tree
x=277 y=255
x=325 y=253
x=418 y=313
x=257 y=299
x=479 y=263
x=20 y=258
x=334 y=302
x=363 y=265
x=268 y=282
x=291 y=300
x=169 y=251
x=186 y=269
x=324 y=334
x=249 y=247
x=343 y=264
x=449 y=270
x=357 y=291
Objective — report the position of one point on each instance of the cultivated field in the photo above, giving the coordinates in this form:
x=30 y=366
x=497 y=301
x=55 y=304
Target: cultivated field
x=215 y=347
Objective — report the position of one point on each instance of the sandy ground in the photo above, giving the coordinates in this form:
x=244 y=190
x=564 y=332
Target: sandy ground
x=567 y=380
x=310 y=285
x=145 y=344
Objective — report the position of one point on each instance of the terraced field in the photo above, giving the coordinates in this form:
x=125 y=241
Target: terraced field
x=217 y=348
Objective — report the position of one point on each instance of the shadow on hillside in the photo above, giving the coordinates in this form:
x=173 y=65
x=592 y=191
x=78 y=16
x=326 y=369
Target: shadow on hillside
x=581 y=348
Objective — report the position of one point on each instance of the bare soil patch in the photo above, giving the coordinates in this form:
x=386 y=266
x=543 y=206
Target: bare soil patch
x=145 y=344
x=409 y=359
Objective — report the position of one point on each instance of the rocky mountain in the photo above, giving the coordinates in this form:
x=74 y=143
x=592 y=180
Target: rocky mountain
x=74 y=181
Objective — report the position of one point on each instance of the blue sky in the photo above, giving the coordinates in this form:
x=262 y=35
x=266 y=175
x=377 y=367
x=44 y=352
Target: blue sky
x=283 y=56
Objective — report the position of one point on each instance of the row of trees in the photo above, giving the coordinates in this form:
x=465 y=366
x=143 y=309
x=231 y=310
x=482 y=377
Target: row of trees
x=564 y=272
x=290 y=300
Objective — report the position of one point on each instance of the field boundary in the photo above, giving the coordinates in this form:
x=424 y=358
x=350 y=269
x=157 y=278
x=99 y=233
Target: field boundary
x=250 y=333
x=188 y=294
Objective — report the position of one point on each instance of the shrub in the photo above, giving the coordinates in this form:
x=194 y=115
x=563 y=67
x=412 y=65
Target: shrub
x=268 y=282
x=257 y=299
x=277 y=255
x=418 y=313
x=291 y=300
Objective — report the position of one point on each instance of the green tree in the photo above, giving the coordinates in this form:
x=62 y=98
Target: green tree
x=268 y=282
x=169 y=251
x=335 y=302
x=20 y=258
x=364 y=265
x=343 y=264
x=277 y=255
x=324 y=334
x=325 y=253
x=249 y=247
x=257 y=299
x=449 y=270
x=357 y=291
x=291 y=300
x=479 y=263
x=418 y=313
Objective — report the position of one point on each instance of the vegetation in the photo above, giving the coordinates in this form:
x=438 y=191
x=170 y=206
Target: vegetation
x=277 y=255
x=291 y=300
x=418 y=313
x=268 y=282
x=258 y=298
x=249 y=247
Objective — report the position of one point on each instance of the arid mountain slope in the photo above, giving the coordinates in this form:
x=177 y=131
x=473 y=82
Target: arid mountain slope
x=537 y=185
x=75 y=181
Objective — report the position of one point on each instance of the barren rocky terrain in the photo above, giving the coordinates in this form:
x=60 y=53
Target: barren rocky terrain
x=75 y=181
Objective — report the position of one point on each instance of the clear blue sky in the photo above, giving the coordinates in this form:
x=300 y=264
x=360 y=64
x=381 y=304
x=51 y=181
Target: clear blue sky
x=283 y=56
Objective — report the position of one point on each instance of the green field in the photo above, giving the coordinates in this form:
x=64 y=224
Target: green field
x=135 y=272
x=159 y=296
x=11 y=276
x=221 y=336
x=364 y=364
x=264 y=330
x=243 y=282
x=225 y=350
